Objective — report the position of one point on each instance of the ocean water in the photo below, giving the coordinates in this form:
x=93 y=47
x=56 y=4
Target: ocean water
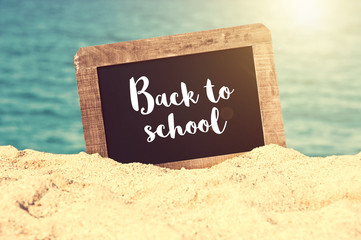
x=316 y=45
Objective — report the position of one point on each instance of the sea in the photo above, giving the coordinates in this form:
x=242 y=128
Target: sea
x=317 y=49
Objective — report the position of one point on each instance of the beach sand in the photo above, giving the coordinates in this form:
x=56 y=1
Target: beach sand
x=268 y=193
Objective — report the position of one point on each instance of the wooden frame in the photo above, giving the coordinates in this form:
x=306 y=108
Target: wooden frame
x=258 y=36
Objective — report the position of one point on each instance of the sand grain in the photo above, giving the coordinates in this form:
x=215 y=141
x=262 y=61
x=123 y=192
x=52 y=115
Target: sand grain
x=268 y=193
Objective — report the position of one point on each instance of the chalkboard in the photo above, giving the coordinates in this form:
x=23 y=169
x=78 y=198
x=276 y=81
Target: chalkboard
x=124 y=126
x=189 y=100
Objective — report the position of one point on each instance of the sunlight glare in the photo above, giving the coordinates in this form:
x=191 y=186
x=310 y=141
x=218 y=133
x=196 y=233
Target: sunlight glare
x=307 y=13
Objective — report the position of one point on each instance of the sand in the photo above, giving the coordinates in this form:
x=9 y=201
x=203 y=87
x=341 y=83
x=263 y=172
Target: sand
x=268 y=193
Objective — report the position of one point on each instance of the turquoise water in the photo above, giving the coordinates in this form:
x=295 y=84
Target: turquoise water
x=316 y=44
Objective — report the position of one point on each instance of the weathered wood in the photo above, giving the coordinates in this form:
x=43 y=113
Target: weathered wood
x=199 y=162
x=256 y=35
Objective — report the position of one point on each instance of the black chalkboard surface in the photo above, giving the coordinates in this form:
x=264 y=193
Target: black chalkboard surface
x=239 y=124
x=190 y=100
